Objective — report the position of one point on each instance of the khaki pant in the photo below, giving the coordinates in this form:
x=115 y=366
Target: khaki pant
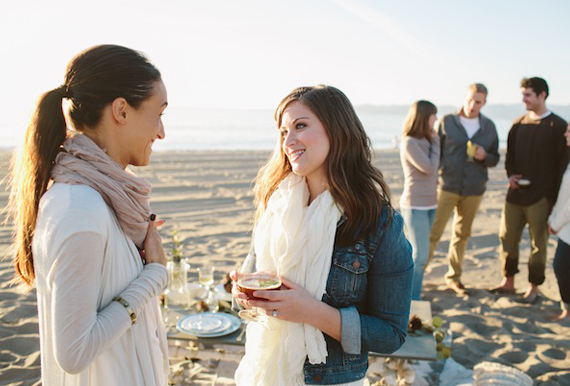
x=466 y=208
x=513 y=220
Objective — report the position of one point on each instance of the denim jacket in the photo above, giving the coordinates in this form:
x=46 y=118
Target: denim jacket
x=370 y=283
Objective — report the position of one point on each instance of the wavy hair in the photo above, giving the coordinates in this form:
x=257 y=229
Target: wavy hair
x=355 y=184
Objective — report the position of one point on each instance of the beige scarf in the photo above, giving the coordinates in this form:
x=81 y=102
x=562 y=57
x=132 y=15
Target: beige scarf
x=297 y=242
x=82 y=162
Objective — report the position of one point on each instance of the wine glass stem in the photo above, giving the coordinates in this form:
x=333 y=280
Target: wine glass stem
x=256 y=313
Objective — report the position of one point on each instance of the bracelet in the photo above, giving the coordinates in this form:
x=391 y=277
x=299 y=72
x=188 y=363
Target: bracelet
x=127 y=306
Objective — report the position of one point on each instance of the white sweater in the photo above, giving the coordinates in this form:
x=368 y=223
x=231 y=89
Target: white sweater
x=82 y=260
x=559 y=219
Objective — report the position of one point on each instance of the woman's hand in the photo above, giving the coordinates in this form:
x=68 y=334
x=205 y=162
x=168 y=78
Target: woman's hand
x=239 y=296
x=153 y=251
x=294 y=303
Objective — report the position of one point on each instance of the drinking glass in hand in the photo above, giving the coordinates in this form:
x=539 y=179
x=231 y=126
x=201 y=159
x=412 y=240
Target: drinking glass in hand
x=471 y=150
x=523 y=184
x=257 y=281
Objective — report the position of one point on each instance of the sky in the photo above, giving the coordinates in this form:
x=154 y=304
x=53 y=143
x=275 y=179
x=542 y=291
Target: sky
x=248 y=54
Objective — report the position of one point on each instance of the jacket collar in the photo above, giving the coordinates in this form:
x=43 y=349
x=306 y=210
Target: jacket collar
x=456 y=116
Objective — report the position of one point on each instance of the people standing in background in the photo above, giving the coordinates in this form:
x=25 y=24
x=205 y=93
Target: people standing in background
x=559 y=224
x=469 y=146
x=536 y=160
x=419 y=154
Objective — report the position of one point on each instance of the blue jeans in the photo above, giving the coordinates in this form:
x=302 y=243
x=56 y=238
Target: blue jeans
x=562 y=271
x=418 y=225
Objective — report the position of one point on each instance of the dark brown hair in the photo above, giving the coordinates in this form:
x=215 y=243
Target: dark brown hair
x=93 y=80
x=537 y=85
x=417 y=121
x=355 y=184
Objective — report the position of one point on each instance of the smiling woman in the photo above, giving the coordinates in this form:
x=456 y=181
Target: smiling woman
x=306 y=144
x=128 y=132
x=325 y=224
x=82 y=222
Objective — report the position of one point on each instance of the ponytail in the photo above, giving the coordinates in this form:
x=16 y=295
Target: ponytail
x=30 y=177
x=94 y=79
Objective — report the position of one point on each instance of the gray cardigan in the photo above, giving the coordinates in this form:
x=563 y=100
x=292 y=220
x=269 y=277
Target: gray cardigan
x=420 y=161
x=457 y=174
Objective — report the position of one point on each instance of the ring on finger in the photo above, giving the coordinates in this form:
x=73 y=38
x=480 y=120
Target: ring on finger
x=274 y=313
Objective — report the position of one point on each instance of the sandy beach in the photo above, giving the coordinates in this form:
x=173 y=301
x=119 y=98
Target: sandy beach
x=207 y=197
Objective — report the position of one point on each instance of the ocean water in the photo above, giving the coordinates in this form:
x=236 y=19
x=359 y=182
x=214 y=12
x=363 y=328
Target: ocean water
x=249 y=129
x=256 y=129
x=225 y=129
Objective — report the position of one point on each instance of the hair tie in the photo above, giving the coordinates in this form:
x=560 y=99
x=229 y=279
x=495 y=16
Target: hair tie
x=63 y=91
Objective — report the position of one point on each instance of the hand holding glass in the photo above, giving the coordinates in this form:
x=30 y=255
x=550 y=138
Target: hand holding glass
x=523 y=183
x=471 y=150
x=248 y=283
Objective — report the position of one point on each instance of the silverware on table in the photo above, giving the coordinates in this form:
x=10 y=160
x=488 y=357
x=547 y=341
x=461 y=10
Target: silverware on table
x=242 y=333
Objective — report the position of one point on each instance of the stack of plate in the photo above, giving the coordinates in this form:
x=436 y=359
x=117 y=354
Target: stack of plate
x=208 y=324
x=490 y=373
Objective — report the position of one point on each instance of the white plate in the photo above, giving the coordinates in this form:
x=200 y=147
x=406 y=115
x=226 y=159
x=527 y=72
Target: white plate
x=204 y=323
x=208 y=324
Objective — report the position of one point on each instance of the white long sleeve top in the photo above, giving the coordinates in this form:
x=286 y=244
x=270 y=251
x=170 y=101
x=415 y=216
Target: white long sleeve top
x=82 y=260
x=559 y=219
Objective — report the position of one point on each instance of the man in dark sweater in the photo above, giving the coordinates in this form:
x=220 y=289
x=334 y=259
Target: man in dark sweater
x=536 y=160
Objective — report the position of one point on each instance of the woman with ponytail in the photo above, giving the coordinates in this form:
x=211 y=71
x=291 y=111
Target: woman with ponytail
x=84 y=233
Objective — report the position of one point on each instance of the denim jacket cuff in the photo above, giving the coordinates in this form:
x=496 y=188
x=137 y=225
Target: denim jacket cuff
x=350 y=334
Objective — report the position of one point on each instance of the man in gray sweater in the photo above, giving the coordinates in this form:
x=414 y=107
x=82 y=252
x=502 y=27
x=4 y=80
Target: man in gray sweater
x=469 y=145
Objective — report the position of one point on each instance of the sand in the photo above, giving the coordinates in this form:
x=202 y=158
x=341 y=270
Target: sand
x=207 y=197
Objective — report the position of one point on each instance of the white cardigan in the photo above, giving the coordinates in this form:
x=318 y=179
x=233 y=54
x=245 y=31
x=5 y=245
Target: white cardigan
x=82 y=260
x=559 y=219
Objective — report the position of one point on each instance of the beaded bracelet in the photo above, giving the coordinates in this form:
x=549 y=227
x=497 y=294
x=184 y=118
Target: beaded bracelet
x=127 y=306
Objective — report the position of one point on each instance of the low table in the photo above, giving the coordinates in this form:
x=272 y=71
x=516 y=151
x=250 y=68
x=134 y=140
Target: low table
x=420 y=347
x=230 y=339
x=416 y=347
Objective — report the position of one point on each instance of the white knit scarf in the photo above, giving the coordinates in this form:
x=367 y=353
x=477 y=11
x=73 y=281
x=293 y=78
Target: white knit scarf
x=296 y=241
